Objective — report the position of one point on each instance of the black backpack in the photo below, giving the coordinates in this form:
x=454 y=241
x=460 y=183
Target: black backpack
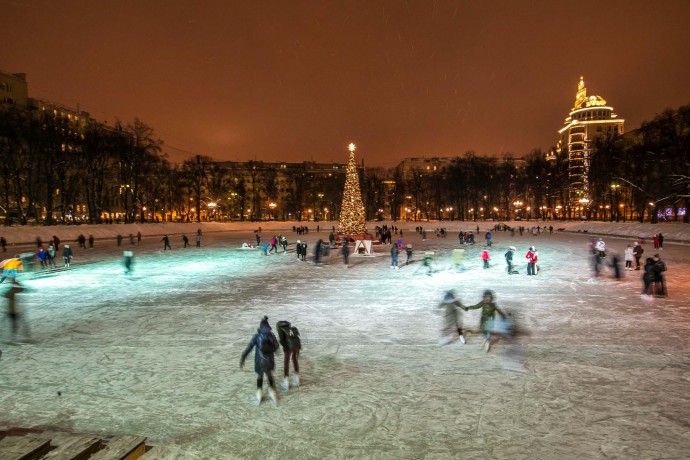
x=267 y=346
x=289 y=335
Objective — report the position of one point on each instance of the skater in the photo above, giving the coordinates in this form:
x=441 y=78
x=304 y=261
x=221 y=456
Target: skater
x=509 y=260
x=166 y=242
x=600 y=248
x=258 y=238
x=119 y=239
x=266 y=345
x=658 y=281
x=81 y=239
x=56 y=242
x=264 y=248
x=127 y=261
x=15 y=316
x=489 y=310
x=288 y=336
x=42 y=255
x=185 y=241
x=345 y=251
x=408 y=252
x=197 y=238
x=11 y=267
x=485 y=257
x=284 y=243
x=638 y=250
x=661 y=242
x=138 y=237
x=274 y=245
x=394 y=256
x=629 y=255
x=67 y=254
x=451 y=319
x=532 y=259
x=647 y=278
x=317 y=251
x=91 y=241
x=50 y=257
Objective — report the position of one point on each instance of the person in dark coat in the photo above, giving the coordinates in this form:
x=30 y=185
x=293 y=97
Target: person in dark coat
x=345 y=251
x=288 y=336
x=489 y=311
x=81 y=239
x=509 y=260
x=166 y=242
x=661 y=241
x=265 y=344
x=637 y=252
x=67 y=254
x=647 y=278
x=185 y=241
x=658 y=277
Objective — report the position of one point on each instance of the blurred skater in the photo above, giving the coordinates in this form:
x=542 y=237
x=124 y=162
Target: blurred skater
x=288 y=336
x=16 y=317
x=166 y=242
x=489 y=311
x=451 y=319
x=265 y=344
x=127 y=261
x=185 y=241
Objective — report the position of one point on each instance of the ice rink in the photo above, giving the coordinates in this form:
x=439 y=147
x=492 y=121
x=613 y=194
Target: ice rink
x=157 y=353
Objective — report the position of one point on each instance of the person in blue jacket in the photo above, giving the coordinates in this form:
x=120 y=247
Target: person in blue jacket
x=266 y=345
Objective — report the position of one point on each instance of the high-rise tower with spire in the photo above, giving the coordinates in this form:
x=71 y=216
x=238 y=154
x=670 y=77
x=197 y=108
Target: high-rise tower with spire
x=589 y=118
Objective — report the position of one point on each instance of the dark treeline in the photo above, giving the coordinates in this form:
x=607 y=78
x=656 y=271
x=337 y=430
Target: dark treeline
x=59 y=169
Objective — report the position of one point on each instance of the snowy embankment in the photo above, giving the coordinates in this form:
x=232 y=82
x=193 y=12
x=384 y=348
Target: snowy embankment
x=19 y=236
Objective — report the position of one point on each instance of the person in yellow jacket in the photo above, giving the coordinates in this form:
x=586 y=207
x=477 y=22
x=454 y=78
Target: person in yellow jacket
x=10 y=267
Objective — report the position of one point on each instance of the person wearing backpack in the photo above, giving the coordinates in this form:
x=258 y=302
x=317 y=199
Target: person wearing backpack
x=288 y=335
x=266 y=345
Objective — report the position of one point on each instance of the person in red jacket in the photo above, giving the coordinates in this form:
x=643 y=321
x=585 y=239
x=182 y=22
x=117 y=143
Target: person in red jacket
x=485 y=257
x=532 y=259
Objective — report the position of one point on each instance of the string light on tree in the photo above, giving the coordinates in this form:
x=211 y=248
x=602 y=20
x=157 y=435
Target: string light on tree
x=352 y=217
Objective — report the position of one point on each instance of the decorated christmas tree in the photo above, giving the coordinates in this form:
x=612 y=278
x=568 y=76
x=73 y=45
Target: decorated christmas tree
x=352 y=221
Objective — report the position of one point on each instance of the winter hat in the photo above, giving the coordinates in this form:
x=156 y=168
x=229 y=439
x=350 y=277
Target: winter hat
x=264 y=321
x=449 y=297
x=512 y=248
x=489 y=293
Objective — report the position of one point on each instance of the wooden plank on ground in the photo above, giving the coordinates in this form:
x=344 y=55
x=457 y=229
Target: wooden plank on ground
x=23 y=448
x=164 y=453
x=122 y=448
x=73 y=448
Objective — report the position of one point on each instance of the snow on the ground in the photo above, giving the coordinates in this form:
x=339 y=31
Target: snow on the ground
x=157 y=353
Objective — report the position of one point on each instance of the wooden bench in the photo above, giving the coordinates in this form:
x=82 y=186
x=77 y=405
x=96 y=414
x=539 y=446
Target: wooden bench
x=23 y=448
x=122 y=448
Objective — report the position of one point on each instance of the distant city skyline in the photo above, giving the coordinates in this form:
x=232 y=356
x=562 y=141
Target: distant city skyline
x=298 y=81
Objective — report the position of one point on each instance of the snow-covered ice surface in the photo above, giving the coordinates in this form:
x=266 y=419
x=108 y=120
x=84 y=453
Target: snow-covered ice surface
x=157 y=354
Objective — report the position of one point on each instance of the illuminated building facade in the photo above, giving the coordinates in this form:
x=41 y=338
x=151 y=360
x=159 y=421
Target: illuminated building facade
x=590 y=118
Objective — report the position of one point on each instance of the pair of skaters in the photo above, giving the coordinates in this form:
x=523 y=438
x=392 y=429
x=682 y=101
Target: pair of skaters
x=265 y=345
x=488 y=324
